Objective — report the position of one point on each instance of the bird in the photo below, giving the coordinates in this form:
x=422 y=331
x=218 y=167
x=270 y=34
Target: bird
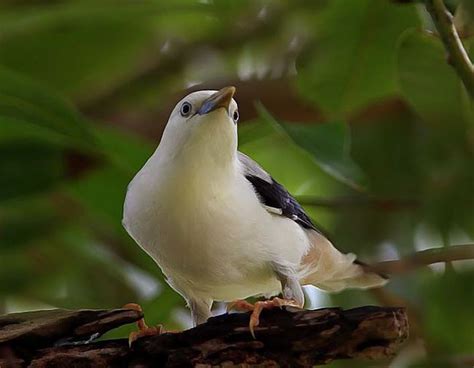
x=220 y=227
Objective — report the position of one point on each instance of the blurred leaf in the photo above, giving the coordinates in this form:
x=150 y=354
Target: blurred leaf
x=254 y=130
x=76 y=258
x=464 y=19
x=92 y=261
x=353 y=61
x=28 y=110
x=125 y=151
x=75 y=52
x=102 y=194
x=387 y=148
x=86 y=49
x=450 y=323
x=469 y=8
x=35 y=126
x=103 y=191
x=328 y=145
x=292 y=167
x=21 y=222
x=393 y=169
x=444 y=149
x=28 y=168
x=428 y=82
x=288 y=164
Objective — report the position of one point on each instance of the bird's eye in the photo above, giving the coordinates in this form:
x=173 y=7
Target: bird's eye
x=186 y=109
x=236 y=116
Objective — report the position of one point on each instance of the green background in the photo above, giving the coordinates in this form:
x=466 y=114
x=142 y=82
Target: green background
x=348 y=103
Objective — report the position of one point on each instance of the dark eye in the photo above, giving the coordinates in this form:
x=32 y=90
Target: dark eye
x=236 y=116
x=186 y=109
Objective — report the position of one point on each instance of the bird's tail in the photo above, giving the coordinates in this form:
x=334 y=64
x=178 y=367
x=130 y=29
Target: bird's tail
x=328 y=269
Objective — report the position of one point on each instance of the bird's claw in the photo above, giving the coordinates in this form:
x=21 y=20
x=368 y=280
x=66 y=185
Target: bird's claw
x=240 y=306
x=143 y=329
x=258 y=307
x=148 y=331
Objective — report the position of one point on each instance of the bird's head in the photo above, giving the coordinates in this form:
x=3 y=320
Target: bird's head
x=203 y=123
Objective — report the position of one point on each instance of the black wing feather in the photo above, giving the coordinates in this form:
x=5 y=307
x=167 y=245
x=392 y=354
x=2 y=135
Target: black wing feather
x=273 y=194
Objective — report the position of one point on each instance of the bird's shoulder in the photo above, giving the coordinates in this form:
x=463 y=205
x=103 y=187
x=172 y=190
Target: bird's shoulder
x=272 y=195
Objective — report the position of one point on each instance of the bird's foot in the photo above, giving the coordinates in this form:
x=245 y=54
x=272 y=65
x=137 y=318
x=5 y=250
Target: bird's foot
x=258 y=307
x=267 y=304
x=240 y=306
x=143 y=328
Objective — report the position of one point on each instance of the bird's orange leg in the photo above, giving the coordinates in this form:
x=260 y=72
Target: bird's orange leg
x=240 y=306
x=258 y=307
x=143 y=329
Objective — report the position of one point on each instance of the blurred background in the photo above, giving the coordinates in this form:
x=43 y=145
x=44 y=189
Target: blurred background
x=350 y=104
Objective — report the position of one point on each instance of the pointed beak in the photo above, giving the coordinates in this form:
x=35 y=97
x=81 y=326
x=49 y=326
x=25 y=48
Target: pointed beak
x=221 y=98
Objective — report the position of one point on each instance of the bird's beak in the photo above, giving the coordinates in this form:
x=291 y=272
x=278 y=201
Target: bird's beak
x=221 y=98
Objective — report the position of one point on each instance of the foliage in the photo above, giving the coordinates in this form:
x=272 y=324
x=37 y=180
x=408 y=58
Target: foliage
x=85 y=89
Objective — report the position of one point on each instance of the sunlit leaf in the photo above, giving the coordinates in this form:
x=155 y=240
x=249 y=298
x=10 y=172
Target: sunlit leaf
x=328 y=145
x=253 y=131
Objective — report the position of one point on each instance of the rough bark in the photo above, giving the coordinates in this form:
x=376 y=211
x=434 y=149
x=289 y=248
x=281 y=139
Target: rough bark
x=285 y=338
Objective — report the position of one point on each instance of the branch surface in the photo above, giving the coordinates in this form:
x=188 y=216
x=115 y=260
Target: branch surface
x=457 y=55
x=285 y=338
x=425 y=258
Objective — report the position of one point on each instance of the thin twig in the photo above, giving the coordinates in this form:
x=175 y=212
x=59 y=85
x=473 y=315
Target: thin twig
x=457 y=55
x=424 y=258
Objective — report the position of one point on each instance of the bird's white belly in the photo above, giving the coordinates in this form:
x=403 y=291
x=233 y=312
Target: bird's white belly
x=215 y=242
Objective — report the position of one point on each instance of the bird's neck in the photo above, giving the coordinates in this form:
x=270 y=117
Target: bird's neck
x=208 y=153
x=202 y=168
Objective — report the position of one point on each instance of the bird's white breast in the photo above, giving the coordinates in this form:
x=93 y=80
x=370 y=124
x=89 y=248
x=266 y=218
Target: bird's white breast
x=207 y=230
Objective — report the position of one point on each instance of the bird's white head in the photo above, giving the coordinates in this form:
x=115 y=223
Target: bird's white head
x=202 y=124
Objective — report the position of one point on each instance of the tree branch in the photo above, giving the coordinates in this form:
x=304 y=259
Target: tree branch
x=285 y=337
x=457 y=55
x=424 y=258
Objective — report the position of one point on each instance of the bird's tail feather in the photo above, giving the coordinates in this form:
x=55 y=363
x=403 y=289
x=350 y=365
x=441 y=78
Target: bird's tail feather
x=328 y=269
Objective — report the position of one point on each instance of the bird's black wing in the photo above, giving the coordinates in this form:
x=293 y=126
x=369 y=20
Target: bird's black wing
x=272 y=194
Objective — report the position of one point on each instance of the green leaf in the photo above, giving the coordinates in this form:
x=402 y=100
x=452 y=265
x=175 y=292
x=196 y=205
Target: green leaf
x=428 y=82
x=102 y=193
x=125 y=151
x=24 y=221
x=77 y=53
x=353 y=62
x=66 y=261
x=294 y=168
x=254 y=130
x=36 y=125
x=328 y=145
x=447 y=314
x=468 y=7
x=87 y=49
x=28 y=110
x=28 y=168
